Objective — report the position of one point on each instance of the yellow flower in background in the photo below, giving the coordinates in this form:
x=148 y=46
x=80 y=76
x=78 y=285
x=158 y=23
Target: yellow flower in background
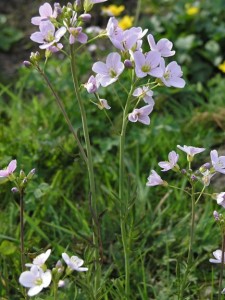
x=113 y=10
x=126 y=22
x=192 y=10
x=221 y=67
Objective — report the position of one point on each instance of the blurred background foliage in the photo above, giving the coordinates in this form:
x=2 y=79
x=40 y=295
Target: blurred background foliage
x=57 y=208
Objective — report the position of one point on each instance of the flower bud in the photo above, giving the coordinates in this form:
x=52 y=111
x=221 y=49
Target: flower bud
x=183 y=171
x=22 y=174
x=24 y=182
x=27 y=64
x=61 y=283
x=194 y=178
x=85 y=17
x=216 y=215
x=57 y=8
x=88 y=5
x=14 y=190
x=128 y=64
x=31 y=174
x=204 y=167
x=35 y=57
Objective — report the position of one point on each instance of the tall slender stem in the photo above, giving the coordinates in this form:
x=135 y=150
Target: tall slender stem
x=61 y=106
x=190 y=251
x=22 y=257
x=96 y=235
x=123 y=199
x=222 y=266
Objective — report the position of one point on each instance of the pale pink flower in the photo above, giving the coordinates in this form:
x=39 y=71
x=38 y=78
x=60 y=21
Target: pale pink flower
x=92 y=85
x=218 y=162
x=35 y=279
x=129 y=39
x=40 y=259
x=109 y=72
x=147 y=64
x=9 y=170
x=145 y=93
x=46 y=13
x=163 y=46
x=206 y=178
x=104 y=104
x=191 y=151
x=171 y=163
x=220 y=198
x=76 y=34
x=171 y=74
x=154 y=179
x=47 y=36
x=141 y=114
x=218 y=257
x=74 y=263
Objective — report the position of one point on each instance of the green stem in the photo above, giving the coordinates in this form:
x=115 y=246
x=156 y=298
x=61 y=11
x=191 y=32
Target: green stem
x=61 y=106
x=221 y=267
x=190 y=251
x=22 y=258
x=123 y=200
x=96 y=227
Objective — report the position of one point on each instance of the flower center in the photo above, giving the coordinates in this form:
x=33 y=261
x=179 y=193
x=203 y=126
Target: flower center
x=49 y=37
x=145 y=68
x=167 y=75
x=112 y=73
x=38 y=281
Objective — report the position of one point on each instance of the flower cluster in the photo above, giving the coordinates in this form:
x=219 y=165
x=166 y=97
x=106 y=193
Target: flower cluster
x=20 y=181
x=204 y=174
x=55 y=22
x=39 y=277
x=150 y=65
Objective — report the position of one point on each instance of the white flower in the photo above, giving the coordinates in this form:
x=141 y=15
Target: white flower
x=218 y=255
x=171 y=163
x=104 y=104
x=155 y=179
x=191 y=150
x=40 y=259
x=220 y=198
x=74 y=263
x=35 y=279
x=218 y=162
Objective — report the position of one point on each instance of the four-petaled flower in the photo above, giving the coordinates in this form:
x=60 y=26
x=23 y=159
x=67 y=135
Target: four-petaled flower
x=109 y=72
x=163 y=46
x=46 y=13
x=48 y=36
x=218 y=162
x=76 y=34
x=40 y=259
x=74 y=263
x=9 y=170
x=171 y=74
x=218 y=257
x=147 y=64
x=220 y=198
x=145 y=93
x=141 y=114
x=168 y=165
x=191 y=151
x=155 y=179
x=35 y=279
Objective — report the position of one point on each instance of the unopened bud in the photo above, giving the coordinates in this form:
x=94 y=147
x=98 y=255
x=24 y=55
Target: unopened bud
x=183 y=171
x=14 y=190
x=85 y=17
x=35 y=57
x=216 y=215
x=57 y=8
x=204 y=167
x=22 y=174
x=61 y=283
x=24 y=181
x=194 y=178
x=27 y=64
x=31 y=174
x=128 y=64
